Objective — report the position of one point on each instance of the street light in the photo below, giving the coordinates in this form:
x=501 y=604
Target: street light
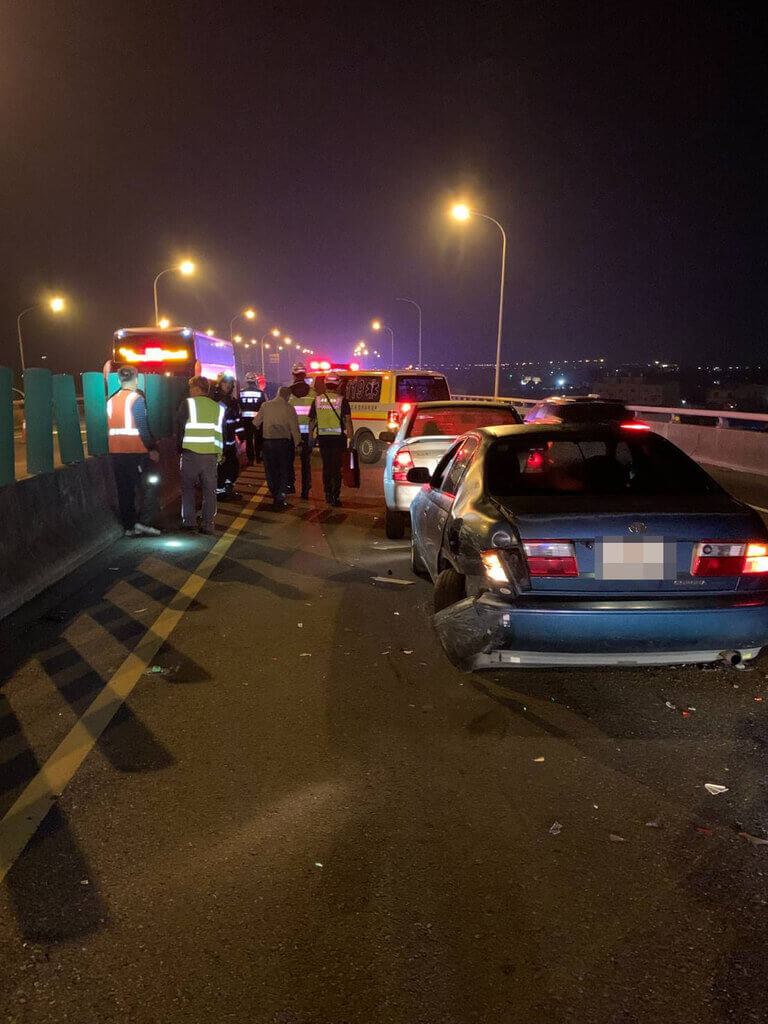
x=249 y=314
x=237 y=339
x=55 y=304
x=377 y=325
x=210 y=332
x=186 y=268
x=460 y=211
x=418 y=307
x=164 y=322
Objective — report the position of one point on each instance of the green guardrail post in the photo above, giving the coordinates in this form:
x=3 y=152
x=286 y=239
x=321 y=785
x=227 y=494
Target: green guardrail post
x=67 y=418
x=7 y=454
x=38 y=411
x=95 y=403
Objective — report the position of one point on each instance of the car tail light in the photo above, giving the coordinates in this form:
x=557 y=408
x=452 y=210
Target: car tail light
x=634 y=425
x=551 y=557
x=729 y=558
x=494 y=567
x=403 y=462
x=535 y=460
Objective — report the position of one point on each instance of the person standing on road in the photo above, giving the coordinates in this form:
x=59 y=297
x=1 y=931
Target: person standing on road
x=234 y=432
x=281 y=436
x=199 y=436
x=252 y=397
x=301 y=398
x=134 y=455
x=331 y=416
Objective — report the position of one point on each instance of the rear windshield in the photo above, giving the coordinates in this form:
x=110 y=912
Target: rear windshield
x=454 y=420
x=636 y=464
x=592 y=412
x=420 y=388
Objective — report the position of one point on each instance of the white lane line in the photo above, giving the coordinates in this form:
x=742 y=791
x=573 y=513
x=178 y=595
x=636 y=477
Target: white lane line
x=26 y=815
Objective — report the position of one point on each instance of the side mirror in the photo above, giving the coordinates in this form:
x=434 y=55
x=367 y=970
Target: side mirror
x=419 y=475
x=387 y=436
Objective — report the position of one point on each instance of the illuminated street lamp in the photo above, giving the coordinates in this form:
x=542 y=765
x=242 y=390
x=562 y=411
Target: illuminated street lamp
x=249 y=314
x=55 y=304
x=418 y=307
x=377 y=325
x=185 y=268
x=237 y=339
x=461 y=212
x=211 y=332
x=163 y=322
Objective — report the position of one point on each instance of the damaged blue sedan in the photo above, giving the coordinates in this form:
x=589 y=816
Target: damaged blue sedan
x=587 y=545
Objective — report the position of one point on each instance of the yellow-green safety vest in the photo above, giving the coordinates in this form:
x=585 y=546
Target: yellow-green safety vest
x=302 y=407
x=203 y=432
x=329 y=418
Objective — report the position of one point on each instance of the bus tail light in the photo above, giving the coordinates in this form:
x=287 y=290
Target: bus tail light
x=551 y=557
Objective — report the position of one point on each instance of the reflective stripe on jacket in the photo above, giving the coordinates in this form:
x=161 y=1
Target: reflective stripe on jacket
x=204 y=430
x=329 y=418
x=124 y=437
x=302 y=406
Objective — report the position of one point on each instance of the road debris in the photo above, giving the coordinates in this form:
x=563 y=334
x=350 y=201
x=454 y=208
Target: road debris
x=300 y=625
x=555 y=828
x=758 y=699
x=392 y=579
x=305 y=654
x=713 y=789
x=538 y=760
x=406 y=650
x=754 y=840
x=703 y=830
x=686 y=714
x=158 y=670
x=318 y=864
x=84 y=881
x=670 y=705
x=654 y=824
x=614 y=838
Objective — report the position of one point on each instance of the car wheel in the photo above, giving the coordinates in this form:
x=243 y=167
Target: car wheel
x=417 y=565
x=450 y=587
x=367 y=448
x=394 y=525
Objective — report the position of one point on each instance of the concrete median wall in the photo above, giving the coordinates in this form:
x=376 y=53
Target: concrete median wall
x=745 y=451
x=54 y=522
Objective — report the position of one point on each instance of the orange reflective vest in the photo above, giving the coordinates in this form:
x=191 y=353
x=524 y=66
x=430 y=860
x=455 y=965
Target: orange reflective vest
x=124 y=435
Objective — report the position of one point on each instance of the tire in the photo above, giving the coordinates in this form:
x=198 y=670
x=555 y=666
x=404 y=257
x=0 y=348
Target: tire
x=417 y=566
x=367 y=448
x=394 y=525
x=450 y=587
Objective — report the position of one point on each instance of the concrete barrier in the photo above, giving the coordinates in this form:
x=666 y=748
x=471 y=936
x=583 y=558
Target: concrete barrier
x=745 y=451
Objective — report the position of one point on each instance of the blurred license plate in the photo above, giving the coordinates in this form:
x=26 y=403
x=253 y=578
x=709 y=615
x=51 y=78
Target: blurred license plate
x=635 y=558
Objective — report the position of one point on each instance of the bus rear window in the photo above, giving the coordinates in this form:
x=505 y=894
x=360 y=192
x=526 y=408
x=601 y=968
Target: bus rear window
x=421 y=388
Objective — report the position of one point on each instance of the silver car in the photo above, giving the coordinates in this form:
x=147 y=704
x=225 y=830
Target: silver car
x=426 y=433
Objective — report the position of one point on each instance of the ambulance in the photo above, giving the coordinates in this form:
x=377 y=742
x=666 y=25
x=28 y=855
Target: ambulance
x=380 y=398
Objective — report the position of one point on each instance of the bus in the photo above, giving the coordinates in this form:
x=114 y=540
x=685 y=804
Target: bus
x=173 y=351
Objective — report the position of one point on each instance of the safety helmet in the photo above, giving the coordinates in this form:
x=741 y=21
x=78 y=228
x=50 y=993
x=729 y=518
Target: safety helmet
x=299 y=368
x=250 y=377
x=333 y=379
x=224 y=376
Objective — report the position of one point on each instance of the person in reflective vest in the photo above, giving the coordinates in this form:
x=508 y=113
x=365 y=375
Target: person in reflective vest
x=134 y=455
x=200 y=440
x=302 y=397
x=331 y=417
x=229 y=468
x=252 y=397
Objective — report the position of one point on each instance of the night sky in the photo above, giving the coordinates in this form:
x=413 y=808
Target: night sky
x=305 y=156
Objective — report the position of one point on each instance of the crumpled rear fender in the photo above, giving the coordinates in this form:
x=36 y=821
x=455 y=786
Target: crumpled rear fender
x=471 y=627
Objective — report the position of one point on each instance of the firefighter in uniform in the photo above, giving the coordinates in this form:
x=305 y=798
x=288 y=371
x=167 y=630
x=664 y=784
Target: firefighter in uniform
x=252 y=397
x=134 y=453
x=229 y=467
x=199 y=436
x=302 y=397
x=331 y=417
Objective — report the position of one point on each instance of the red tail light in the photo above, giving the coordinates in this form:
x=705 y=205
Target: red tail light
x=535 y=460
x=403 y=462
x=634 y=425
x=729 y=558
x=551 y=557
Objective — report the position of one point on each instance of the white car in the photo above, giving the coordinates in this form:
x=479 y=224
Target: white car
x=426 y=433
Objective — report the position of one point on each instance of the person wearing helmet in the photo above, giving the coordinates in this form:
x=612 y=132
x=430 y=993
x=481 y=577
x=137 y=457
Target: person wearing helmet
x=331 y=418
x=229 y=468
x=252 y=397
x=302 y=397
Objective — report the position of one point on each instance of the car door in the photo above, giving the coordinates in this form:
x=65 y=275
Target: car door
x=426 y=511
x=442 y=495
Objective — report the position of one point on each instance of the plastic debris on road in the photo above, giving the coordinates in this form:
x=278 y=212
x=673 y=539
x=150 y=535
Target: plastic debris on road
x=754 y=840
x=654 y=824
x=713 y=789
x=703 y=830
x=555 y=828
x=670 y=705
x=305 y=654
x=157 y=670
x=392 y=579
x=538 y=760
x=406 y=650
x=318 y=864
x=614 y=838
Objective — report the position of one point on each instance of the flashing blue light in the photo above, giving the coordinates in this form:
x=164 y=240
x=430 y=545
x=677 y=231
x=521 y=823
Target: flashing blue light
x=186 y=332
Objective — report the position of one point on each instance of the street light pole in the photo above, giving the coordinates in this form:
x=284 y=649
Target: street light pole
x=186 y=268
x=414 y=303
x=18 y=331
x=463 y=212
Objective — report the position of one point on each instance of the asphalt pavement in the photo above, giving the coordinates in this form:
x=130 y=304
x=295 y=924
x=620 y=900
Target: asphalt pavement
x=301 y=813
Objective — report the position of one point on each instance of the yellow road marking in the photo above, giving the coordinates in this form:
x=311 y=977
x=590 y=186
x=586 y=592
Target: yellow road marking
x=26 y=815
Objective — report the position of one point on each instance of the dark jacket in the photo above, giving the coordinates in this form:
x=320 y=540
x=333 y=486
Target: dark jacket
x=233 y=419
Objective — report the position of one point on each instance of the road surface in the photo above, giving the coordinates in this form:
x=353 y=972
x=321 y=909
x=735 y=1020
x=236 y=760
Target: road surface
x=305 y=815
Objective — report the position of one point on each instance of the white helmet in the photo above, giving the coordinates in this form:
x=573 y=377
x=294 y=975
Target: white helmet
x=299 y=369
x=333 y=379
x=250 y=377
